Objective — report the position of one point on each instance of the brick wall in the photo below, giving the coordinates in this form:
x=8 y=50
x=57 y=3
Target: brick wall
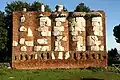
x=58 y=40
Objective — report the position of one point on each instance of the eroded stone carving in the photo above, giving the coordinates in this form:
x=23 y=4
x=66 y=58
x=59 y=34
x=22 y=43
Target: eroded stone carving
x=60 y=56
x=22 y=28
x=56 y=28
x=29 y=43
x=23 y=48
x=61 y=19
x=67 y=55
x=97 y=26
x=45 y=21
x=46 y=33
x=57 y=33
x=23 y=18
x=22 y=41
x=58 y=23
x=29 y=32
x=91 y=40
x=42 y=41
x=14 y=43
x=53 y=56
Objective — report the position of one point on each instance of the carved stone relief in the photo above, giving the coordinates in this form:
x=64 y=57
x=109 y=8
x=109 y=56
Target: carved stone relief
x=23 y=48
x=97 y=26
x=23 y=28
x=23 y=18
x=14 y=43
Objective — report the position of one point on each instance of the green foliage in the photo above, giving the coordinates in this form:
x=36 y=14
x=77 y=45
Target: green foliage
x=82 y=8
x=36 y=6
x=3 y=33
x=16 y=6
x=97 y=69
x=116 y=33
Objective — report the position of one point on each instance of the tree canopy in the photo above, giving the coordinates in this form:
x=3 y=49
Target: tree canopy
x=116 y=33
x=82 y=8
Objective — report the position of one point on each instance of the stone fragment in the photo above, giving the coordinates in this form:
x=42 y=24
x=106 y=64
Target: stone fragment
x=57 y=33
x=58 y=23
x=60 y=56
x=57 y=43
x=62 y=19
x=102 y=48
x=75 y=33
x=23 y=18
x=42 y=41
x=23 y=48
x=36 y=56
x=59 y=38
x=65 y=38
x=29 y=43
x=22 y=41
x=46 y=33
x=67 y=55
x=95 y=48
x=59 y=48
x=56 y=28
x=14 y=43
x=53 y=56
x=29 y=32
x=91 y=40
x=22 y=28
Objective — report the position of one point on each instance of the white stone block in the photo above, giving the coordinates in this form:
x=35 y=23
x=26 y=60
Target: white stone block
x=75 y=33
x=36 y=56
x=91 y=40
x=80 y=19
x=29 y=32
x=57 y=43
x=95 y=48
x=14 y=43
x=102 y=48
x=22 y=41
x=57 y=33
x=67 y=55
x=42 y=23
x=97 y=21
x=42 y=41
x=46 y=33
x=74 y=38
x=62 y=19
x=23 y=18
x=49 y=22
x=53 y=56
x=59 y=48
x=98 y=43
x=59 y=38
x=58 y=23
x=65 y=38
x=22 y=28
x=60 y=56
x=43 y=19
x=23 y=48
x=29 y=43
x=56 y=28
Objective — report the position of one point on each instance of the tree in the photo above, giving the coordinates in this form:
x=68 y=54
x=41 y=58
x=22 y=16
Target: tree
x=36 y=6
x=113 y=53
x=116 y=33
x=16 y=6
x=3 y=36
x=82 y=8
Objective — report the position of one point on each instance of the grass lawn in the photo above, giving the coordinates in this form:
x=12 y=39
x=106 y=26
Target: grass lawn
x=55 y=74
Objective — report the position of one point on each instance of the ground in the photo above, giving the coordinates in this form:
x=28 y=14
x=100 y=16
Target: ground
x=56 y=74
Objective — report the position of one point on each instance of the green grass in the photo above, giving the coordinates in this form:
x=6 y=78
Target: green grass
x=55 y=74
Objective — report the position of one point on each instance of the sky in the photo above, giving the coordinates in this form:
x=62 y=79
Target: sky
x=110 y=7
